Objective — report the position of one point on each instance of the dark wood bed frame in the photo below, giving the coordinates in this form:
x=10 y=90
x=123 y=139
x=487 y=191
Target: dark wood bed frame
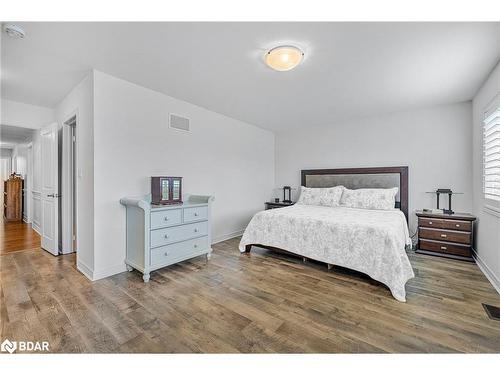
x=403 y=186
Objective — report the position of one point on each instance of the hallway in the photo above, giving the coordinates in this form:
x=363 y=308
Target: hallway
x=17 y=236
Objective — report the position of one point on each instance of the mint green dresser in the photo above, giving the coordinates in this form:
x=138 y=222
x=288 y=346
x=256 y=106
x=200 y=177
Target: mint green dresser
x=158 y=236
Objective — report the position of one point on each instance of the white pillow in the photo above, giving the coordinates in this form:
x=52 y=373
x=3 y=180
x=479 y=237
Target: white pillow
x=320 y=196
x=373 y=199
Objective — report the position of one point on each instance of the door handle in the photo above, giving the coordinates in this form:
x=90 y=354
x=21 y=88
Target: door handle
x=54 y=195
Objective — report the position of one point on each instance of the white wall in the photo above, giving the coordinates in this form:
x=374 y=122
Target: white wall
x=229 y=159
x=80 y=102
x=25 y=115
x=434 y=143
x=488 y=225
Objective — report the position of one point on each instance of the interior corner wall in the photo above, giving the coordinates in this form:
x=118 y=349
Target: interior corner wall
x=80 y=101
x=488 y=223
x=220 y=156
x=434 y=143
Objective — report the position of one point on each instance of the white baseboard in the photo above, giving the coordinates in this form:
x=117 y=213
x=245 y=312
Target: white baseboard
x=227 y=236
x=36 y=228
x=86 y=270
x=490 y=275
x=109 y=271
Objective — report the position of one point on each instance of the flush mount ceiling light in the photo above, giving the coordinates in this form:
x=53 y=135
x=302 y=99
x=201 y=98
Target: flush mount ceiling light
x=14 y=31
x=283 y=58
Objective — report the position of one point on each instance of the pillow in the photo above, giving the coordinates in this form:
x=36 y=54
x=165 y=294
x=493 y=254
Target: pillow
x=372 y=199
x=320 y=196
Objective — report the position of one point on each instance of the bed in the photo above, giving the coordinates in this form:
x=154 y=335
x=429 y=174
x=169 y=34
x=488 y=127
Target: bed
x=364 y=240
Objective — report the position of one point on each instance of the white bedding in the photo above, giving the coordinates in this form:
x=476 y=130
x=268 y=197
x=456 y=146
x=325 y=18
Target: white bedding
x=369 y=241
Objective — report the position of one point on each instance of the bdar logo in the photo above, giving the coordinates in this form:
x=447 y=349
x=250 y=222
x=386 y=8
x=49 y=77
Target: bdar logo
x=8 y=346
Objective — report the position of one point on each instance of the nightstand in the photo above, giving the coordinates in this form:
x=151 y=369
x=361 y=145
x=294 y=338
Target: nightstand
x=446 y=235
x=271 y=205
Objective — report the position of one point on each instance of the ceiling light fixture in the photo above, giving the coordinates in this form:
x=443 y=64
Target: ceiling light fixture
x=14 y=31
x=283 y=58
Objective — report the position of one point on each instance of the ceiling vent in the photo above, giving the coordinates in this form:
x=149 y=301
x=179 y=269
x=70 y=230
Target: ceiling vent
x=180 y=123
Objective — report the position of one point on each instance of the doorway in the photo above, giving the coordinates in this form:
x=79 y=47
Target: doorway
x=68 y=178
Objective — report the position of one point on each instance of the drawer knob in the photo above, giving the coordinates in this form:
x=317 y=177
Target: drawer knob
x=443 y=235
x=457 y=225
x=166 y=218
x=195 y=245
x=167 y=236
x=166 y=253
x=196 y=214
x=196 y=230
x=430 y=222
x=443 y=247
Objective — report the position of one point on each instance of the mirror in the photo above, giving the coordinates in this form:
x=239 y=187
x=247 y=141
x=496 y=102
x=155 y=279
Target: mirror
x=164 y=189
x=176 y=189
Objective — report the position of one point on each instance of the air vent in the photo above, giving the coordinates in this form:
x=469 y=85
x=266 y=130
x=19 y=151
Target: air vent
x=179 y=122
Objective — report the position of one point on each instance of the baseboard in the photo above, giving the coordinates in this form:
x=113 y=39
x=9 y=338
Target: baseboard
x=109 y=271
x=227 y=236
x=83 y=268
x=492 y=278
x=36 y=228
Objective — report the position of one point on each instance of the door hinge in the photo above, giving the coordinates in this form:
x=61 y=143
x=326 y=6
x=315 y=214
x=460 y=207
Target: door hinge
x=74 y=139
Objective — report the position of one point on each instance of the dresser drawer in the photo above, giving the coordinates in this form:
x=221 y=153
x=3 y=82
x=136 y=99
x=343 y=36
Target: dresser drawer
x=430 y=222
x=181 y=250
x=457 y=225
x=195 y=214
x=160 y=219
x=445 y=247
x=445 y=235
x=165 y=236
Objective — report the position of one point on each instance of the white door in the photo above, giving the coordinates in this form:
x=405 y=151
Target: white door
x=50 y=189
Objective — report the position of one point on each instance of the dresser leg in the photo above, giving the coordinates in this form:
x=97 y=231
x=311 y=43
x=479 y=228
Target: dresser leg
x=145 y=277
x=208 y=255
x=129 y=268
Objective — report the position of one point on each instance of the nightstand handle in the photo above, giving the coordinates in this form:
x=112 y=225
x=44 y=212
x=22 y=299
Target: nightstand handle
x=457 y=225
x=430 y=222
x=443 y=235
x=443 y=247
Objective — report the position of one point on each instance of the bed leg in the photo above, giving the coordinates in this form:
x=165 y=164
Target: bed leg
x=330 y=266
x=304 y=259
x=248 y=248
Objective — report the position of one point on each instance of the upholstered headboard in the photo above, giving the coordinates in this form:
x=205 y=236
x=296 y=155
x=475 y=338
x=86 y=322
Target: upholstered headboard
x=357 y=178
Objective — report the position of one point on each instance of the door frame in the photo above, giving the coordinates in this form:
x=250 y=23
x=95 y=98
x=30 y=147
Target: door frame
x=69 y=184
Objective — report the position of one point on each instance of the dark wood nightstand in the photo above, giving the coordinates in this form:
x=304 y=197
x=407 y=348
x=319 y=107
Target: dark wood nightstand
x=446 y=235
x=271 y=205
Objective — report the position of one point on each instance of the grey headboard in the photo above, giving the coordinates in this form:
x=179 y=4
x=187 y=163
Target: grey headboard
x=357 y=178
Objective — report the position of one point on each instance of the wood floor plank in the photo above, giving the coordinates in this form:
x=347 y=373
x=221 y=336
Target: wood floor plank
x=262 y=302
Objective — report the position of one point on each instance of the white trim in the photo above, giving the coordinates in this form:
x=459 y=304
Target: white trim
x=227 y=236
x=36 y=228
x=86 y=270
x=490 y=275
x=492 y=210
x=109 y=271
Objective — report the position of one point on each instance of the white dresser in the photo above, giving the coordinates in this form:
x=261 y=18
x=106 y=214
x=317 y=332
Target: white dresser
x=158 y=236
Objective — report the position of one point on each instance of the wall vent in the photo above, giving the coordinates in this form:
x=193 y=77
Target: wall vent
x=179 y=122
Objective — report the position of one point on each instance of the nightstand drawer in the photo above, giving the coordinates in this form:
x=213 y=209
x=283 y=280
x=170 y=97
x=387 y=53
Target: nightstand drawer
x=445 y=235
x=445 y=247
x=457 y=225
x=430 y=222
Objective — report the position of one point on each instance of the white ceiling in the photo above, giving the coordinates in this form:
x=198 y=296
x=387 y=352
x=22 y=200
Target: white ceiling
x=13 y=135
x=350 y=70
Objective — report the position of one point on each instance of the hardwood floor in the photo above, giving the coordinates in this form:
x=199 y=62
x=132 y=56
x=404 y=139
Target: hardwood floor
x=257 y=302
x=17 y=236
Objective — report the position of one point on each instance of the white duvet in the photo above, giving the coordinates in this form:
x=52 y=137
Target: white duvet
x=369 y=241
